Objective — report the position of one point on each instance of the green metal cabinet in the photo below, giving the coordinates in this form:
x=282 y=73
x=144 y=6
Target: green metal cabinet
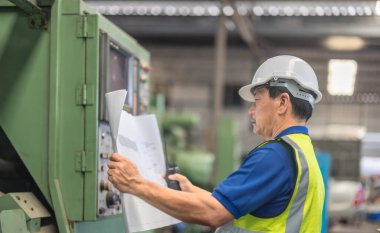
x=54 y=61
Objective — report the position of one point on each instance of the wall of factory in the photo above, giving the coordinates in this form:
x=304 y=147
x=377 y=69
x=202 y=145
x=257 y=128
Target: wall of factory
x=185 y=75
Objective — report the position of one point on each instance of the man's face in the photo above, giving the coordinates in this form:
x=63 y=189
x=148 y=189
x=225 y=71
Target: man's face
x=262 y=113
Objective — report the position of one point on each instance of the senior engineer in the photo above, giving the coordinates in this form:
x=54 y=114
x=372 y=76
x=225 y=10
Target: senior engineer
x=278 y=187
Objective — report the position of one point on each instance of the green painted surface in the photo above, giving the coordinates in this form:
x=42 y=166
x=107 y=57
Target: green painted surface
x=71 y=118
x=91 y=122
x=24 y=61
x=228 y=148
x=112 y=224
x=34 y=225
x=7 y=203
x=41 y=71
x=108 y=224
x=196 y=165
x=54 y=117
x=6 y=3
x=12 y=221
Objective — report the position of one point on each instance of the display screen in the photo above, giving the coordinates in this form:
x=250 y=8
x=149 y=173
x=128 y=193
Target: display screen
x=117 y=71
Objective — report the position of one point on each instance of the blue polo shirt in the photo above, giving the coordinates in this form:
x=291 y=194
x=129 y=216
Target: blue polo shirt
x=263 y=185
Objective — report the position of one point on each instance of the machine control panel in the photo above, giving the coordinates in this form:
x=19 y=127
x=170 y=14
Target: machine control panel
x=119 y=69
x=109 y=198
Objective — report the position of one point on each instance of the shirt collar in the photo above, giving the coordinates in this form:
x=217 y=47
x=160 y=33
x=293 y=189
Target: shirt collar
x=292 y=130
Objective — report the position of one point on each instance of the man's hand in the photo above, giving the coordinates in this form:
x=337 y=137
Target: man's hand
x=187 y=186
x=200 y=206
x=123 y=174
x=184 y=183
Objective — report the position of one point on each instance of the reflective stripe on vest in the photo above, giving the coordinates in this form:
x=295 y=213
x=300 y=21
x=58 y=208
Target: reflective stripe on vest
x=304 y=211
x=294 y=221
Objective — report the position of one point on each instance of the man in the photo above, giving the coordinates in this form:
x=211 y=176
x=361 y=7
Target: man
x=278 y=188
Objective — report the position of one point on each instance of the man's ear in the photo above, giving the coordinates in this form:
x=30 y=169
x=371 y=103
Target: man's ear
x=284 y=103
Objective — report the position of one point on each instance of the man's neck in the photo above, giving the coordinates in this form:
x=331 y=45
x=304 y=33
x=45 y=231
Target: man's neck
x=284 y=124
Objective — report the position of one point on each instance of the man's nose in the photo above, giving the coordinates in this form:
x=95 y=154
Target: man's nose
x=251 y=109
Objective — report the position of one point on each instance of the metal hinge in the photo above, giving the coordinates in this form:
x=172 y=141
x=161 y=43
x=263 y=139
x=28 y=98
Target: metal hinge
x=85 y=94
x=86 y=26
x=81 y=162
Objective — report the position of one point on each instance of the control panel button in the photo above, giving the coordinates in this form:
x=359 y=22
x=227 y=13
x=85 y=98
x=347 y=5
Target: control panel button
x=105 y=185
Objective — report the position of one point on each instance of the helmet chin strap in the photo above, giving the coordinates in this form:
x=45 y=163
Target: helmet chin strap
x=294 y=88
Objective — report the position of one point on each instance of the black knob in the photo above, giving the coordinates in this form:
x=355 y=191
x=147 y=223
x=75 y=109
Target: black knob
x=112 y=199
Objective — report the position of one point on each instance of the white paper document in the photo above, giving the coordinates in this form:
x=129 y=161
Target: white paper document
x=139 y=140
x=115 y=102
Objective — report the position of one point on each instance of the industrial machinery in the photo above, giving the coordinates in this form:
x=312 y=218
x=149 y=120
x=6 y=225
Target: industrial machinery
x=57 y=60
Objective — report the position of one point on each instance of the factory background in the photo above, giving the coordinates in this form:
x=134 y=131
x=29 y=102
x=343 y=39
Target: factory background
x=207 y=49
x=182 y=38
x=185 y=62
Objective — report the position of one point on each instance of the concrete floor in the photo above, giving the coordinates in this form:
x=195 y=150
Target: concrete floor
x=365 y=227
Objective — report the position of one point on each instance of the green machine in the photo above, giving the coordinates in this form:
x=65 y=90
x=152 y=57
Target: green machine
x=57 y=60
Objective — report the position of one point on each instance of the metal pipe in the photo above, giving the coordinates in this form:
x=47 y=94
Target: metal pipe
x=219 y=76
x=30 y=7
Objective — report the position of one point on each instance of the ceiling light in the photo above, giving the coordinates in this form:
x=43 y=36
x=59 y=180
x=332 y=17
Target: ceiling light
x=304 y=11
x=258 y=10
x=273 y=11
x=199 y=11
x=335 y=11
x=288 y=11
x=156 y=10
x=228 y=11
x=213 y=10
x=170 y=10
x=377 y=8
x=367 y=11
x=351 y=11
x=319 y=10
x=341 y=77
x=346 y=43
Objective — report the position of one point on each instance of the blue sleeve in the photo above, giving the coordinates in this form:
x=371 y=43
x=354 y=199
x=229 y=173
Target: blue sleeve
x=262 y=175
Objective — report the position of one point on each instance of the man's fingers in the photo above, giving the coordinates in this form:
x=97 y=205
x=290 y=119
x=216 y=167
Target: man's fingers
x=111 y=164
x=178 y=177
x=110 y=172
x=116 y=157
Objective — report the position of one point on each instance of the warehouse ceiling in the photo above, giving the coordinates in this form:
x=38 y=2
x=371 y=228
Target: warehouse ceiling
x=314 y=30
x=281 y=21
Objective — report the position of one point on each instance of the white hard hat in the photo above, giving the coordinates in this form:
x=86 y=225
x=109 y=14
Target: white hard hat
x=287 y=71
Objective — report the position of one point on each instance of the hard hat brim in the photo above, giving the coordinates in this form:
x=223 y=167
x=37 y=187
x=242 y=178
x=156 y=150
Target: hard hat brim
x=246 y=94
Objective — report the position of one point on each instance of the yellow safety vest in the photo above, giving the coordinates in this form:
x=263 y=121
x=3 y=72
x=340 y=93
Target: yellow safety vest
x=304 y=211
